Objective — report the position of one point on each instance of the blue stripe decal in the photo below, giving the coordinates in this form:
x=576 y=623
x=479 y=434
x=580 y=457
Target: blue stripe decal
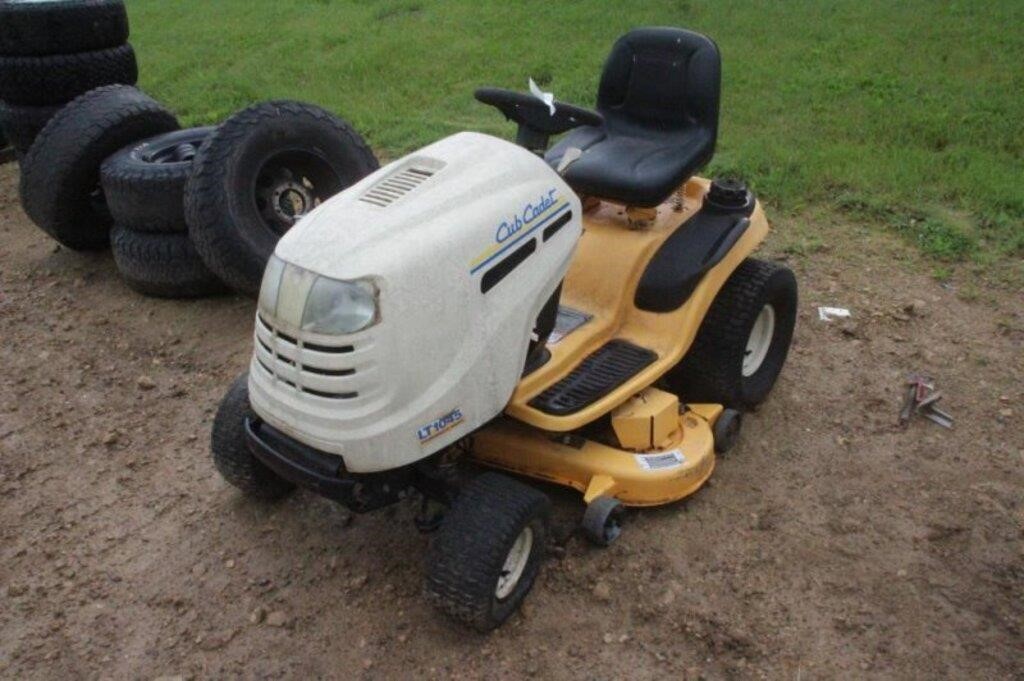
x=522 y=236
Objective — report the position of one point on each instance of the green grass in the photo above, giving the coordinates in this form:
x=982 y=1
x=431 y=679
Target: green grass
x=907 y=114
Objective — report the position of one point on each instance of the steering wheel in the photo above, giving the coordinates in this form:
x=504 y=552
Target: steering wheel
x=534 y=117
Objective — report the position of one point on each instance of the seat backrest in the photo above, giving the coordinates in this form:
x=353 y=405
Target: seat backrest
x=662 y=79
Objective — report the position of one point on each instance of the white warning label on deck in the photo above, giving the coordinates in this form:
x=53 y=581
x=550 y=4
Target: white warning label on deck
x=656 y=461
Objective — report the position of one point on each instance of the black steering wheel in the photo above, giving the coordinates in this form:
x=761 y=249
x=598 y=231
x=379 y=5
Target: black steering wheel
x=536 y=121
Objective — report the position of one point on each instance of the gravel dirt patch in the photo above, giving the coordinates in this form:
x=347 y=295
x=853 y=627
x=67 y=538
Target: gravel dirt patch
x=829 y=544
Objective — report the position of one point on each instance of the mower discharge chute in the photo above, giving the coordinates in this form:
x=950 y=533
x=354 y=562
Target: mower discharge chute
x=587 y=315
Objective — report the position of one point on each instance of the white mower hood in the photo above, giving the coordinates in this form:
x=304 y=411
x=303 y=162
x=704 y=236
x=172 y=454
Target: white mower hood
x=460 y=245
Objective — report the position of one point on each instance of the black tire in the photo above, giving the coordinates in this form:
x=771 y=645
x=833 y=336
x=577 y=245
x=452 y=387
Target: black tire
x=602 y=521
x=7 y=152
x=255 y=151
x=163 y=265
x=727 y=430
x=59 y=78
x=144 y=184
x=712 y=370
x=466 y=558
x=231 y=455
x=60 y=174
x=22 y=124
x=61 y=26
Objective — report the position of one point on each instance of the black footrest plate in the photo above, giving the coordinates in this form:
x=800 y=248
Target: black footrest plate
x=603 y=371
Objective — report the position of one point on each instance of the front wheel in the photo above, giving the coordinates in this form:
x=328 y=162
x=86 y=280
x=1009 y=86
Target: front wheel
x=488 y=551
x=743 y=341
x=231 y=455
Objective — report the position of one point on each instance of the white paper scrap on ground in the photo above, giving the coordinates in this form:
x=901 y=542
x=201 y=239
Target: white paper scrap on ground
x=827 y=314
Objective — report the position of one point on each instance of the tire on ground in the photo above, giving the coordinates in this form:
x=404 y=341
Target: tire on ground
x=231 y=455
x=712 y=370
x=59 y=78
x=60 y=174
x=22 y=124
x=144 y=184
x=234 y=233
x=469 y=553
x=163 y=265
x=61 y=26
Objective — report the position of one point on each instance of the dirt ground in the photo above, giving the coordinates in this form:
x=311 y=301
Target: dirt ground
x=830 y=544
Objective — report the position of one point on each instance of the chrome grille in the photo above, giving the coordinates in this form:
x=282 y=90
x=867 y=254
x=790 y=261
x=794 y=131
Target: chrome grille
x=335 y=372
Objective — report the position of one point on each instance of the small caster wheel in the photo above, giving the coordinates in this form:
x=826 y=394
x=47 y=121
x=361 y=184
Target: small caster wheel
x=602 y=521
x=727 y=430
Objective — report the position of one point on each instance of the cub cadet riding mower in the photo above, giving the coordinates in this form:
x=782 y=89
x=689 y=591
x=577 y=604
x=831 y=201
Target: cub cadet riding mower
x=588 y=316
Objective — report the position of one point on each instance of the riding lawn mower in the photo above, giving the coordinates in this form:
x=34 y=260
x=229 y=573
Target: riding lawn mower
x=586 y=314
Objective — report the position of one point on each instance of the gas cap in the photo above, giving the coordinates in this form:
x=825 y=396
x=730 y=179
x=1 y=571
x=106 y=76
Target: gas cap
x=727 y=194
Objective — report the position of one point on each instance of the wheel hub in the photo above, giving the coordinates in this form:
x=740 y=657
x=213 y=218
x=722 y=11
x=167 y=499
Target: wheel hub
x=284 y=197
x=291 y=201
x=515 y=564
x=759 y=341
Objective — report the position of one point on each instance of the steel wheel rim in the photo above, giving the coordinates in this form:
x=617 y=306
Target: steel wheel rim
x=515 y=564
x=759 y=341
x=180 y=152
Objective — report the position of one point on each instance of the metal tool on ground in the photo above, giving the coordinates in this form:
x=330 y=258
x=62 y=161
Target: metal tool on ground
x=922 y=398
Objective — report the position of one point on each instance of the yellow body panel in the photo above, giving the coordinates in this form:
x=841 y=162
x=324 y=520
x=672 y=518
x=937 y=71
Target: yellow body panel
x=647 y=420
x=661 y=455
x=602 y=281
x=634 y=478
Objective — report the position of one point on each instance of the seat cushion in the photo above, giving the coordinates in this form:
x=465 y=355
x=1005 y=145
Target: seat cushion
x=659 y=97
x=630 y=169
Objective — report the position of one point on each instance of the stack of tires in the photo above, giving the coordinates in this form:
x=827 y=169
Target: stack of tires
x=187 y=212
x=144 y=186
x=52 y=51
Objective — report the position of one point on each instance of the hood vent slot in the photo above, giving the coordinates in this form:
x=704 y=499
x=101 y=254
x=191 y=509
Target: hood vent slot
x=396 y=185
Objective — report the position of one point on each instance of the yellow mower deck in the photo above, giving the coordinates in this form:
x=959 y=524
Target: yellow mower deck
x=675 y=470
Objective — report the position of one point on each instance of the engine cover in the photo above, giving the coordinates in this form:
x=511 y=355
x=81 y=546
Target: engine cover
x=465 y=241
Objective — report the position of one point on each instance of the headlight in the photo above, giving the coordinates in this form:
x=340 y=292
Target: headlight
x=318 y=304
x=270 y=286
x=339 y=307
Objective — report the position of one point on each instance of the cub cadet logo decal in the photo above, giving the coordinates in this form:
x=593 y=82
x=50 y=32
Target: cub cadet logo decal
x=509 y=228
x=526 y=221
x=439 y=426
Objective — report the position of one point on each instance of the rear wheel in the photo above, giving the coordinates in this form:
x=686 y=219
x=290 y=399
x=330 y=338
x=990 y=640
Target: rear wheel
x=231 y=455
x=742 y=344
x=486 y=556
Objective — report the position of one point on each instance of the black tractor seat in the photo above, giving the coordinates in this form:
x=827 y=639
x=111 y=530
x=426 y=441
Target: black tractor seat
x=659 y=96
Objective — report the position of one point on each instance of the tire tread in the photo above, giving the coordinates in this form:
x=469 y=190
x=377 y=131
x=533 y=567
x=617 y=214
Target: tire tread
x=488 y=514
x=59 y=78
x=231 y=456
x=163 y=265
x=206 y=202
x=710 y=369
x=62 y=166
